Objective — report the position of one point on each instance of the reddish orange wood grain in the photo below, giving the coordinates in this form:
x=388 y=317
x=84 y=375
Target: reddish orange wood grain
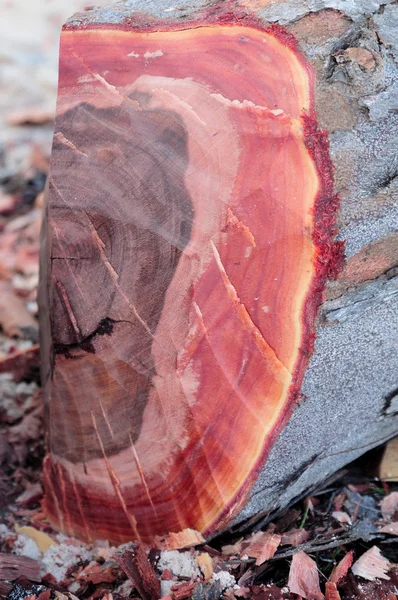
x=190 y=225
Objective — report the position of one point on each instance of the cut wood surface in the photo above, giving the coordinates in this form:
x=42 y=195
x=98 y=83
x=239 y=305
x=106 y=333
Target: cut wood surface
x=189 y=233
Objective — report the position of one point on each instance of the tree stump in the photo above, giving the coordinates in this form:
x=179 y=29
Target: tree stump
x=188 y=236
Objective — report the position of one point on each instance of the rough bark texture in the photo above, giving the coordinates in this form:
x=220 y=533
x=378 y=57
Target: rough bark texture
x=350 y=385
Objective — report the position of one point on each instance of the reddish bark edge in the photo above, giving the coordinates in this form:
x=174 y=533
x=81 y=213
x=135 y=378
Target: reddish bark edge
x=329 y=253
x=225 y=13
x=329 y=261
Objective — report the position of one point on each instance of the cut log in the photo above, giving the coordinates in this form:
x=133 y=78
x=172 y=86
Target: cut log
x=188 y=236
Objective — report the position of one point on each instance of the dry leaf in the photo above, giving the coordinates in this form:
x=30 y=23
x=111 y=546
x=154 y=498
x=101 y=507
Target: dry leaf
x=372 y=565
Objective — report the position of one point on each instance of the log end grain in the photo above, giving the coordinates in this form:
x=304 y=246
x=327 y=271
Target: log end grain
x=189 y=234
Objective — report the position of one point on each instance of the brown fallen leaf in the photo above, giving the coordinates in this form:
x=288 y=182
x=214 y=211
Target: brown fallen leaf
x=372 y=565
x=304 y=578
x=261 y=546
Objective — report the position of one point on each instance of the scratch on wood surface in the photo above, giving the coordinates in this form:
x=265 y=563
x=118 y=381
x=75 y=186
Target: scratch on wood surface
x=106 y=419
x=61 y=137
x=50 y=486
x=233 y=220
x=111 y=88
x=59 y=234
x=68 y=306
x=233 y=386
x=243 y=313
x=80 y=507
x=115 y=482
x=64 y=502
x=141 y=472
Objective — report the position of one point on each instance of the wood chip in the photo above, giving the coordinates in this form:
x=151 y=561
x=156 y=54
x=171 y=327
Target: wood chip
x=262 y=546
x=139 y=570
x=341 y=517
x=331 y=591
x=180 y=592
x=389 y=506
x=13 y=567
x=230 y=549
x=391 y=528
x=295 y=537
x=205 y=563
x=372 y=565
x=341 y=569
x=30 y=496
x=95 y=573
x=388 y=468
x=304 y=578
x=183 y=539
